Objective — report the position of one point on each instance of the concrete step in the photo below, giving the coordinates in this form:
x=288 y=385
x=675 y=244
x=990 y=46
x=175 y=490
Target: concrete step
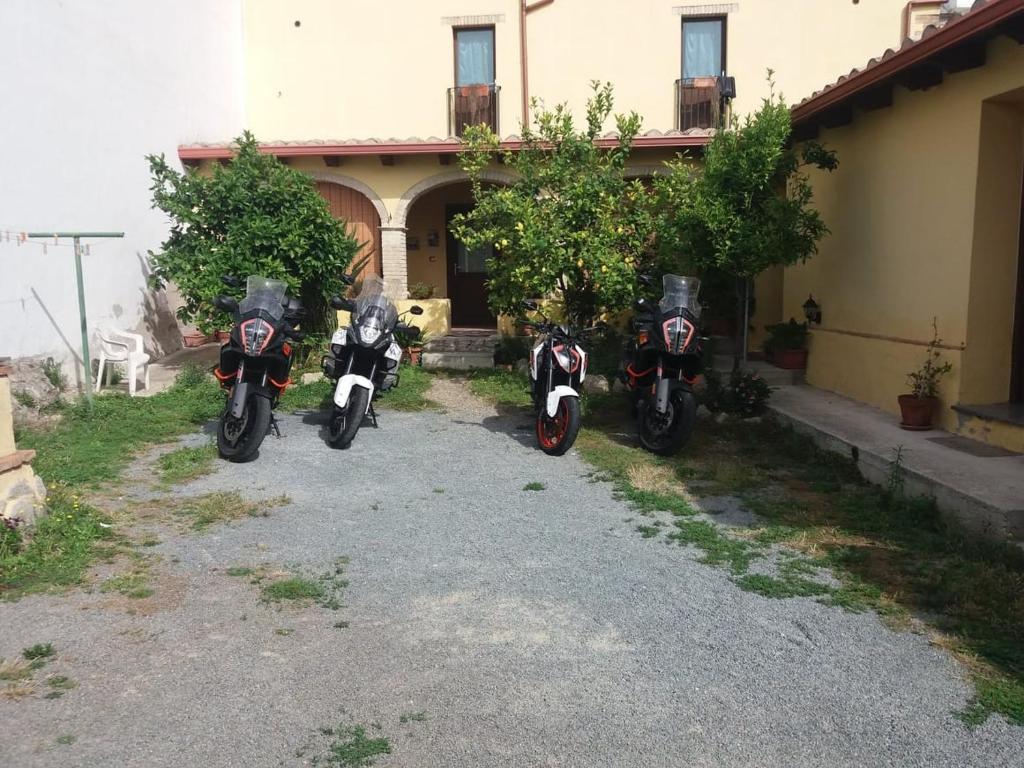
x=460 y=361
x=462 y=344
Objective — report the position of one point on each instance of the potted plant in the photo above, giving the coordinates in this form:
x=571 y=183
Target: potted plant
x=918 y=407
x=223 y=337
x=194 y=339
x=421 y=291
x=786 y=344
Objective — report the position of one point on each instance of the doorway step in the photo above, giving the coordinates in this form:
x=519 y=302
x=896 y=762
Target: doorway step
x=461 y=349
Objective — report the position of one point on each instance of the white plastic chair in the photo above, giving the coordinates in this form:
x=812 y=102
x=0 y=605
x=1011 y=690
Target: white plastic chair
x=117 y=346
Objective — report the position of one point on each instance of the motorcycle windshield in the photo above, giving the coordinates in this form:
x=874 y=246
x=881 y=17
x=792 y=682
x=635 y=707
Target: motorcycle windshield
x=373 y=309
x=680 y=293
x=264 y=294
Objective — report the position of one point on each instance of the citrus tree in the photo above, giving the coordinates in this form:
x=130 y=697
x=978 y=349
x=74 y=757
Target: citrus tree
x=749 y=207
x=571 y=224
x=253 y=216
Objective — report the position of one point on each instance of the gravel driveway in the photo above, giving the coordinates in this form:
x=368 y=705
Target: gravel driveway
x=510 y=627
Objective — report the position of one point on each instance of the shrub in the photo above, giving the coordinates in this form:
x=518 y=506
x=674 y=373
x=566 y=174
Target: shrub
x=746 y=394
x=781 y=336
x=421 y=291
x=55 y=374
x=511 y=349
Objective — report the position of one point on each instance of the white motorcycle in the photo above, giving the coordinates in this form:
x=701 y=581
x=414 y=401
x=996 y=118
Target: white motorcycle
x=364 y=358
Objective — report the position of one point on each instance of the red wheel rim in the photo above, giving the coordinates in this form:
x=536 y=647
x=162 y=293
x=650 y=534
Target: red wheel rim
x=551 y=432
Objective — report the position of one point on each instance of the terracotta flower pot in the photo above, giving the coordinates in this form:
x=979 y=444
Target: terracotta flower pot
x=414 y=353
x=193 y=340
x=790 y=359
x=223 y=337
x=917 y=411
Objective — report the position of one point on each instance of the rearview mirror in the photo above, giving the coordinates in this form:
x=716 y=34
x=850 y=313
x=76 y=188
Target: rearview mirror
x=337 y=302
x=226 y=304
x=231 y=280
x=347 y=279
x=416 y=309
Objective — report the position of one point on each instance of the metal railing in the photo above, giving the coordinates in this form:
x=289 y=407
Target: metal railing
x=472 y=105
x=699 y=103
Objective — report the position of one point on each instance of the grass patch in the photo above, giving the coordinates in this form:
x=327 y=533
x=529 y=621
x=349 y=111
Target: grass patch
x=534 y=486
x=307 y=397
x=91 y=447
x=890 y=553
x=55 y=553
x=184 y=464
x=238 y=570
x=411 y=392
x=13 y=671
x=38 y=652
x=352 y=748
x=197 y=513
x=500 y=387
x=134 y=585
x=292 y=588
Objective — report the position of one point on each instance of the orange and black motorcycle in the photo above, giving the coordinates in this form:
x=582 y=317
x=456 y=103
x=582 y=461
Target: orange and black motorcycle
x=662 y=363
x=255 y=363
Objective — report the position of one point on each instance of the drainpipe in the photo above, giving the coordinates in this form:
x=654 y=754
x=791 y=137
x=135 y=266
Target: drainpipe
x=524 y=11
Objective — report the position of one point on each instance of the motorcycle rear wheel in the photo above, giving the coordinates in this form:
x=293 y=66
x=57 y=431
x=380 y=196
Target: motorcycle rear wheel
x=345 y=422
x=556 y=435
x=239 y=439
x=668 y=434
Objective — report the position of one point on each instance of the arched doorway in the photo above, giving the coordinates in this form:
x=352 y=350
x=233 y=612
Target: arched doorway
x=363 y=220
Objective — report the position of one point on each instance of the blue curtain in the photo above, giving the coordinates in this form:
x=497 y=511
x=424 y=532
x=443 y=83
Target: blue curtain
x=475 y=57
x=702 y=48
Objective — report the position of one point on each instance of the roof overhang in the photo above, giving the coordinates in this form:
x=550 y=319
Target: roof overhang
x=198 y=152
x=918 y=64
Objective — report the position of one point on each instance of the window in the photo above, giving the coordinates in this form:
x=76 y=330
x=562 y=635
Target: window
x=474 y=56
x=703 y=47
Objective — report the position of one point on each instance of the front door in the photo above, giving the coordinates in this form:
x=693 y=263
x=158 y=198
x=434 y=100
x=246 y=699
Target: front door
x=467 y=276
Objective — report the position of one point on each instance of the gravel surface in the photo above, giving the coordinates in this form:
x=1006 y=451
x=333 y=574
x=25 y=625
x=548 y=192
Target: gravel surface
x=529 y=628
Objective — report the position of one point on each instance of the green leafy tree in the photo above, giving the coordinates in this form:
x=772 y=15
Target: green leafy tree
x=253 y=216
x=749 y=208
x=571 y=224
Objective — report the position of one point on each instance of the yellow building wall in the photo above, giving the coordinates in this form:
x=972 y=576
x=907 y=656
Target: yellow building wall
x=429 y=264
x=360 y=69
x=6 y=418
x=906 y=247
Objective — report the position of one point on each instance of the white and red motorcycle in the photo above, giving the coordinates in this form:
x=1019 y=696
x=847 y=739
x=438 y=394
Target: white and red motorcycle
x=558 y=366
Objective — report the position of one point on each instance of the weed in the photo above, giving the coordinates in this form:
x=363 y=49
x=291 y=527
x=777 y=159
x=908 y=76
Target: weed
x=66 y=739
x=186 y=464
x=24 y=397
x=412 y=717
x=439 y=490
x=352 y=748
x=340 y=625
x=718 y=547
x=55 y=374
x=293 y=588
x=648 y=531
x=534 y=486
x=39 y=651
x=150 y=541
x=61 y=683
x=238 y=570
x=12 y=671
x=200 y=512
x=284 y=631
x=781 y=588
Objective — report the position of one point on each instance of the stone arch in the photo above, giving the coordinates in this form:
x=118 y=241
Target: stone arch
x=496 y=176
x=359 y=186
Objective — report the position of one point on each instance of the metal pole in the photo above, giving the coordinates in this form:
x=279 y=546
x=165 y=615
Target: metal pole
x=86 y=360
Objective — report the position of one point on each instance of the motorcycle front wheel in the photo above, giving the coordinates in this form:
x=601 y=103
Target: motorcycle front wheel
x=239 y=439
x=666 y=434
x=345 y=422
x=556 y=434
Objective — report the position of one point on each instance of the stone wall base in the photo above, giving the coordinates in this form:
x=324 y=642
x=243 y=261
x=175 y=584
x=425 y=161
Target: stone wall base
x=22 y=494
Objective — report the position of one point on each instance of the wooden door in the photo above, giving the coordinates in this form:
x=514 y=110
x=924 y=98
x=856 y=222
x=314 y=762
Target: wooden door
x=467 y=277
x=363 y=222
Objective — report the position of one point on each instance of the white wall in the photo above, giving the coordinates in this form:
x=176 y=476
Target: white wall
x=88 y=88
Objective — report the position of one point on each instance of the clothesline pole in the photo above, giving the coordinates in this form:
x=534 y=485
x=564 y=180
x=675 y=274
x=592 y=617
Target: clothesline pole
x=77 y=237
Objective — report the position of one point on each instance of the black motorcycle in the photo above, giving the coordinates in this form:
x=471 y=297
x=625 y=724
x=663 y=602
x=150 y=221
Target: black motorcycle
x=255 y=363
x=558 y=366
x=364 y=358
x=663 y=361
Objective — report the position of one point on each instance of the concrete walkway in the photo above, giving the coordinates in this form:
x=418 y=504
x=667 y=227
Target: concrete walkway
x=980 y=485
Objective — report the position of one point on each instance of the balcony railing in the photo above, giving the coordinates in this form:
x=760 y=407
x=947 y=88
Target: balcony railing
x=471 y=105
x=698 y=103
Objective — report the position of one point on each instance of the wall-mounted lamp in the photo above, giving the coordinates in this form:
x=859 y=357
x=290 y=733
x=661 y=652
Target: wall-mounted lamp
x=433 y=238
x=812 y=311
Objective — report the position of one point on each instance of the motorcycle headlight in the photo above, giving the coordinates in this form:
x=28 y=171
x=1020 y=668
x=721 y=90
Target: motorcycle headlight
x=677 y=334
x=567 y=359
x=368 y=335
x=256 y=335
